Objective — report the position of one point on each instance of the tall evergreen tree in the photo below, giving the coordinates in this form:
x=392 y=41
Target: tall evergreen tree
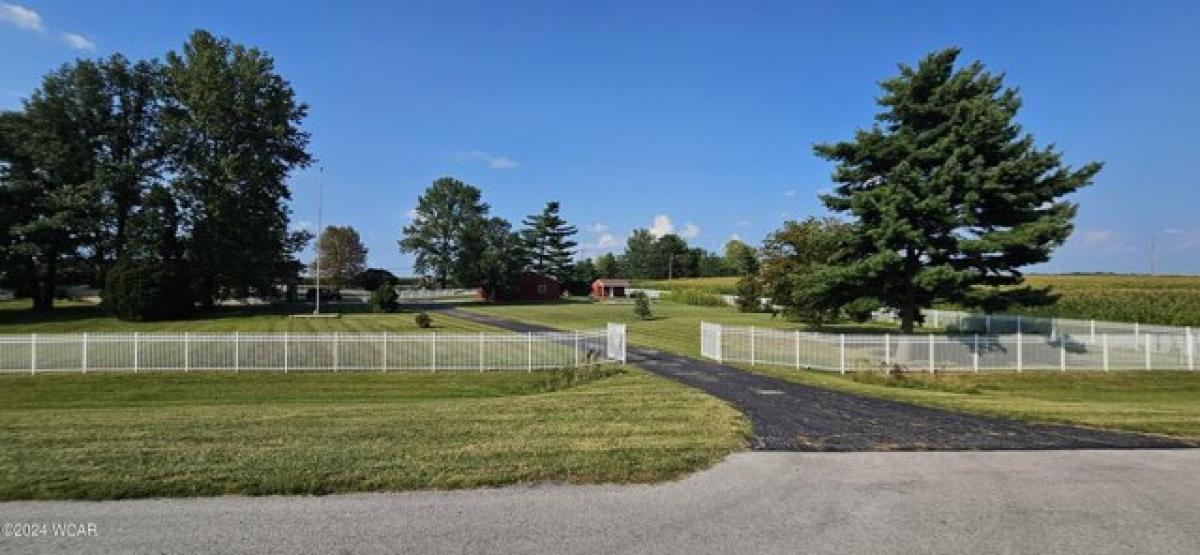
x=233 y=125
x=441 y=232
x=548 y=241
x=150 y=280
x=607 y=266
x=947 y=197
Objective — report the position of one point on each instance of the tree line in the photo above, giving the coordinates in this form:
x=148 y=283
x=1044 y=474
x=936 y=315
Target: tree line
x=163 y=181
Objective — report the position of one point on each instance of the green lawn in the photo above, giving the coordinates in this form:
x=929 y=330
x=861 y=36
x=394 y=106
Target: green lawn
x=119 y=436
x=1154 y=402
x=73 y=317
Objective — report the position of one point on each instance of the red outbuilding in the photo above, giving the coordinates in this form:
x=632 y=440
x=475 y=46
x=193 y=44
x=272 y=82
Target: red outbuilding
x=604 y=288
x=532 y=287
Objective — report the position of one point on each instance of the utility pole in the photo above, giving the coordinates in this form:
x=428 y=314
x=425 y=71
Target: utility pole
x=320 y=209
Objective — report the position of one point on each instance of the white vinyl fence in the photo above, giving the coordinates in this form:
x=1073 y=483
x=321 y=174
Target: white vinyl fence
x=432 y=352
x=970 y=322
x=953 y=353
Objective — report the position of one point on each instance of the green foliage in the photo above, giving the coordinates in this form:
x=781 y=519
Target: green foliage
x=423 y=320
x=150 y=280
x=696 y=297
x=384 y=298
x=741 y=258
x=445 y=231
x=947 y=198
x=641 y=306
x=547 y=239
x=342 y=257
x=232 y=126
x=583 y=273
x=607 y=266
x=749 y=294
x=372 y=278
x=500 y=260
x=792 y=258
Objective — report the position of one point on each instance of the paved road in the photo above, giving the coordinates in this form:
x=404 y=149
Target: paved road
x=790 y=416
x=1062 y=502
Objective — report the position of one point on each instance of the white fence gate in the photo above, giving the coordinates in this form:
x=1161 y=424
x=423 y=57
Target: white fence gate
x=107 y=352
x=957 y=353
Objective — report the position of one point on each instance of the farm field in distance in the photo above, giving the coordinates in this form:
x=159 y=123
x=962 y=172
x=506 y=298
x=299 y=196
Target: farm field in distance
x=159 y=434
x=74 y=317
x=1171 y=300
x=1154 y=402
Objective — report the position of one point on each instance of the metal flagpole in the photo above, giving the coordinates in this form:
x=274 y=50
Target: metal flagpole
x=320 y=208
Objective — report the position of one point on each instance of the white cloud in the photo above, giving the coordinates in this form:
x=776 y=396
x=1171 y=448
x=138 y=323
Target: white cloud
x=494 y=161
x=789 y=193
x=21 y=16
x=1183 y=239
x=735 y=237
x=411 y=214
x=690 y=231
x=662 y=226
x=743 y=223
x=78 y=41
x=598 y=227
x=1099 y=238
x=606 y=241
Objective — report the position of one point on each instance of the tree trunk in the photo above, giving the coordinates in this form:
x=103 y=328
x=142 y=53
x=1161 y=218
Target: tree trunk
x=908 y=315
x=43 y=293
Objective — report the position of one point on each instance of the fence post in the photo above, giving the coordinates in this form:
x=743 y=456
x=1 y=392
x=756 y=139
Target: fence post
x=33 y=353
x=887 y=350
x=1062 y=354
x=383 y=358
x=286 y=344
x=720 y=344
x=1147 y=351
x=843 y=353
x=1018 y=323
x=1020 y=347
x=433 y=352
x=136 y=336
x=530 y=367
x=797 y=349
x=83 y=359
x=187 y=348
x=931 y=353
x=936 y=320
x=752 y=355
x=237 y=352
x=1093 y=324
x=975 y=356
x=481 y=351
x=576 y=349
x=1191 y=350
x=1105 y=339
x=1137 y=336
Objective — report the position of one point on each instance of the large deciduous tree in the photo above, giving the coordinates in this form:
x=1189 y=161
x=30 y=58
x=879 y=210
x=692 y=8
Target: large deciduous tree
x=233 y=126
x=947 y=197
x=150 y=279
x=548 y=242
x=440 y=233
x=792 y=258
x=342 y=256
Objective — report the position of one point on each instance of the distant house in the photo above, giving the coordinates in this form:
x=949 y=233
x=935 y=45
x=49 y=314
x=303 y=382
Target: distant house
x=609 y=288
x=532 y=287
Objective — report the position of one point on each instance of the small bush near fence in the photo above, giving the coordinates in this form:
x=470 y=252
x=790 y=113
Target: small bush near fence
x=423 y=320
x=696 y=297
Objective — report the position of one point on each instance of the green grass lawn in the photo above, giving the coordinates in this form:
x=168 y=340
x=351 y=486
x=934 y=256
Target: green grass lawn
x=74 y=317
x=1157 y=402
x=120 y=436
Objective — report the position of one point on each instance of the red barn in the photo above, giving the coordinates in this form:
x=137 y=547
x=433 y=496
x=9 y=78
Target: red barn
x=607 y=288
x=532 y=287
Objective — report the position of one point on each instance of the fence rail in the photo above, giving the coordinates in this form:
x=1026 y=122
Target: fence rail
x=433 y=352
x=954 y=353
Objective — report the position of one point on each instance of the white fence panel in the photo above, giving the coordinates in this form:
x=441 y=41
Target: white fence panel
x=247 y=352
x=948 y=353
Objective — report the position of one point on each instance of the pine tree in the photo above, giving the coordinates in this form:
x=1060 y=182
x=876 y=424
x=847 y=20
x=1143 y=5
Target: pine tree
x=150 y=281
x=548 y=241
x=947 y=197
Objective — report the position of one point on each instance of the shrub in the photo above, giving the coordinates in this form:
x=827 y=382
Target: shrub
x=423 y=320
x=641 y=306
x=696 y=297
x=749 y=295
x=383 y=299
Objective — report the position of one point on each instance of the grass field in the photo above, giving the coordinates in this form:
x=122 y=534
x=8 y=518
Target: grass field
x=1171 y=300
x=72 y=317
x=1156 y=402
x=1152 y=402
x=120 y=436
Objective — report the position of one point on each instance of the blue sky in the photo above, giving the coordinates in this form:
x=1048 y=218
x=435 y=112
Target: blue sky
x=693 y=116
